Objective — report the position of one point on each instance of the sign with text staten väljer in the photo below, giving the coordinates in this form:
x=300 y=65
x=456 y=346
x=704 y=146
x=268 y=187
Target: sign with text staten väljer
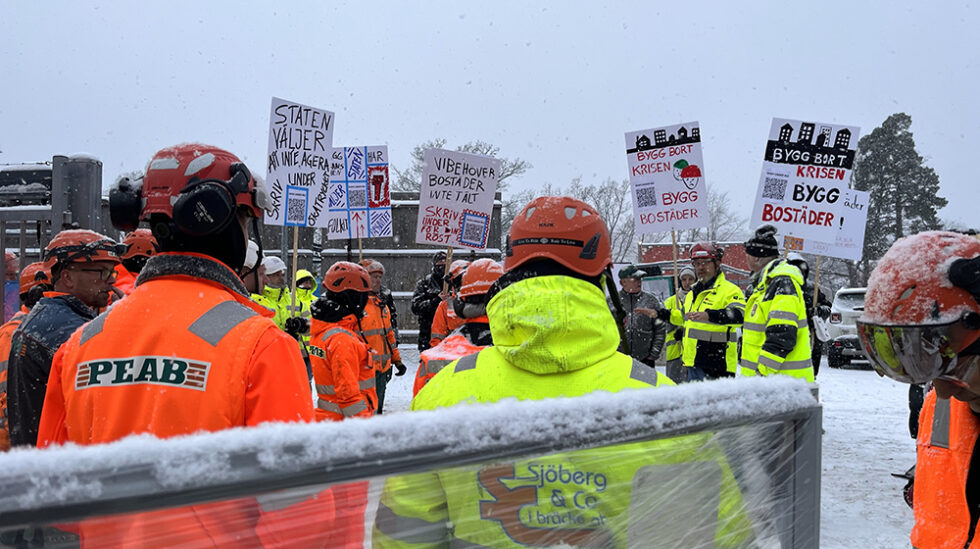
x=456 y=198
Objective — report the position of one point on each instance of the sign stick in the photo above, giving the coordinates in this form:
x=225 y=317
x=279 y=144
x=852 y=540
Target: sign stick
x=292 y=296
x=445 y=276
x=673 y=246
x=816 y=285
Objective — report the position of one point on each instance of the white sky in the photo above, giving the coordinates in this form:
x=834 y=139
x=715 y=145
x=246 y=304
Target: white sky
x=556 y=85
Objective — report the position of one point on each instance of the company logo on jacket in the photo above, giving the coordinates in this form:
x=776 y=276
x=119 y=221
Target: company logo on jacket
x=143 y=370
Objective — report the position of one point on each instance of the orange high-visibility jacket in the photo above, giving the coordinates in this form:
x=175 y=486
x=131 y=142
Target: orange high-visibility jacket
x=375 y=329
x=444 y=322
x=342 y=371
x=456 y=346
x=6 y=331
x=125 y=280
x=948 y=432
x=186 y=351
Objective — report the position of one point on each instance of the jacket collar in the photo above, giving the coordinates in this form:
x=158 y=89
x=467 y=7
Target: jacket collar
x=194 y=265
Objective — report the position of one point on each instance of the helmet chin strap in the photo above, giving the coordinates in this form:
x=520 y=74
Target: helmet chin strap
x=620 y=315
x=258 y=260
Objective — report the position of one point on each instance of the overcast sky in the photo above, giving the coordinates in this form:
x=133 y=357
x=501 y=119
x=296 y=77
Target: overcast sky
x=557 y=85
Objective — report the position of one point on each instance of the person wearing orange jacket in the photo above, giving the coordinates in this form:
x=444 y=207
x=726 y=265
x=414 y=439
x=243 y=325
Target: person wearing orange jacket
x=187 y=351
x=139 y=246
x=474 y=333
x=921 y=323
x=344 y=377
x=34 y=281
x=377 y=330
x=446 y=320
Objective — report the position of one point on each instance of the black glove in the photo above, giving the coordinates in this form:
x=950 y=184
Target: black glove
x=326 y=310
x=823 y=312
x=295 y=326
x=401 y=369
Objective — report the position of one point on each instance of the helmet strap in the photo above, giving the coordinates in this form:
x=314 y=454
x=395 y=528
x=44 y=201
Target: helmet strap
x=258 y=260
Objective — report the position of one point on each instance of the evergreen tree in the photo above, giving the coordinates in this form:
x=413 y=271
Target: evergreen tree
x=904 y=192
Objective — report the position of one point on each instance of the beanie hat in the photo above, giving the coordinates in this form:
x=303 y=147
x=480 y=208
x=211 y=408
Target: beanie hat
x=273 y=265
x=687 y=271
x=763 y=242
x=439 y=256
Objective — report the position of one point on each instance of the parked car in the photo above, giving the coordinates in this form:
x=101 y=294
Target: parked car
x=843 y=347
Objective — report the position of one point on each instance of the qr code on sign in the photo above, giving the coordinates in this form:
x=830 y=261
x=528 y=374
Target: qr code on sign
x=296 y=202
x=474 y=230
x=775 y=188
x=646 y=197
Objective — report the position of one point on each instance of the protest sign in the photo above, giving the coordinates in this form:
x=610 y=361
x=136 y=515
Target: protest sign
x=359 y=196
x=806 y=170
x=667 y=177
x=300 y=143
x=848 y=243
x=456 y=198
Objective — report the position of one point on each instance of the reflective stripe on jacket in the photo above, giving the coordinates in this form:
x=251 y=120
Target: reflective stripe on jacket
x=948 y=432
x=708 y=345
x=342 y=372
x=375 y=329
x=6 y=331
x=775 y=336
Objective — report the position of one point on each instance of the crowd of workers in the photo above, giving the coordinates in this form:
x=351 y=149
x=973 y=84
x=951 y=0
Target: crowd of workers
x=185 y=327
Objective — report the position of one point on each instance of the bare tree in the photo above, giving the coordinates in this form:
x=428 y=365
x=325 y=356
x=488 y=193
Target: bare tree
x=410 y=179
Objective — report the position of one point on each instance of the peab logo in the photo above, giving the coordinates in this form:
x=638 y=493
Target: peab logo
x=137 y=370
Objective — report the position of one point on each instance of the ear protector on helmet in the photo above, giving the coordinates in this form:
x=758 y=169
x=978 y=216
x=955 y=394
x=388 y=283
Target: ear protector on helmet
x=125 y=204
x=207 y=206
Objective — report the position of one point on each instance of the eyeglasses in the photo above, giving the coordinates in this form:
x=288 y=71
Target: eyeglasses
x=104 y=274
x=702 y=262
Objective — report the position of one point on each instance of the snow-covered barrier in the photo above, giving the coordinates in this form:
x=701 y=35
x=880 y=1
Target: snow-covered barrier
x=732 y=463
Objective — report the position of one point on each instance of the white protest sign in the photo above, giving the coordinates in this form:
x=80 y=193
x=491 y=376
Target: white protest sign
x=359 y=198
x=849 y=241
x=806 y=170
x=667 y=177
x=456 y=198
x=300 y=143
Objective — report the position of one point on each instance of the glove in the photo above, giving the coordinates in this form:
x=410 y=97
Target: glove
x=401 y=369
x=823 y=312
x=326 y=310
x=295 y=326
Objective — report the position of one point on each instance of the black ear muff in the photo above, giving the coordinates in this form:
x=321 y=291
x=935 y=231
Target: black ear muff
x=125 y=205
x=204 y=208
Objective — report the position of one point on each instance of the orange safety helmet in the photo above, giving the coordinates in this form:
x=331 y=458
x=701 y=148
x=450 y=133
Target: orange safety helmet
x=344 y=275
x=480 y=275
x=79 y=245
x=458 y=267
x=706 y=250
x=139 y=242
x=372 y=266
x=566 y=230
x=32 y=275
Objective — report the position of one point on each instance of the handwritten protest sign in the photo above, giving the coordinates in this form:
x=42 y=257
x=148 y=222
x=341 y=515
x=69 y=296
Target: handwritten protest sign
x=806 y=172
x=359 y=195
x=667 y=176
x=456 y=198
x=849 y=240
x=300 y=143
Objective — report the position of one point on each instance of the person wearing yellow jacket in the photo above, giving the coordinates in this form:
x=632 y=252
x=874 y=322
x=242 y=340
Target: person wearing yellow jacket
x=775 y=336
x=556 y=268
x=675 y=337
x=305 y=288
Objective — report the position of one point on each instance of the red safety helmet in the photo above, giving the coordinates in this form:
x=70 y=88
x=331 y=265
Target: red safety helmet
x=916 y=320
x=563 y=229
x=706 y=250
x=76 y=245
x=344 y=275
x=32 y=275
x=139 y=242
x=479 y=276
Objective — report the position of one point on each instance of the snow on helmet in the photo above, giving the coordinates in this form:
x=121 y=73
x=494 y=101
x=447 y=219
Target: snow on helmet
x=479 y=276
x=458 y=267
x=139 y=242
x=799 y=262
x=32 y=275
x=566 y=230
x=79 y=245
x=707 y=250
x=344 y=275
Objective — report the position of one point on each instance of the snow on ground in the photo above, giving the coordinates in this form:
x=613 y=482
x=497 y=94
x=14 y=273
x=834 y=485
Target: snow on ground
x=865 y=439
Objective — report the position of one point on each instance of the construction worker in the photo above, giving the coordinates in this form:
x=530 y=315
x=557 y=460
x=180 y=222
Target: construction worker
x=187 y=351
x=553 y=336
x=921 y=323
x=474 y=333
x=819 y=309
x=276 y=292
x=11 y=266
x=305 y=296
x=139 y=245
x=427 y=297
x=445 y=320
x=674 y=338
x=376 y=330
x=34 y=280
x=715 y=309
x=82 y=265
x=644 y=335
x=775 y=335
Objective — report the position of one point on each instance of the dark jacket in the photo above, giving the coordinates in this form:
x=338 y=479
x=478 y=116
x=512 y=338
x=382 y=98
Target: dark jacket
x=32 y=347
x=645 y=335
x=823 y=304
x=425 y=301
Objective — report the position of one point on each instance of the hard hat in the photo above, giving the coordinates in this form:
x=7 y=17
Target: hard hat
x=479 y=276
x=344 y=275
x=139 y=242
x=457 y=267
x=707 y=250
x=372 y=266
x=273 y=265
x=32 y=275
x=80 y=245
x=563 y=229
x=916 y=320
x=251 y=255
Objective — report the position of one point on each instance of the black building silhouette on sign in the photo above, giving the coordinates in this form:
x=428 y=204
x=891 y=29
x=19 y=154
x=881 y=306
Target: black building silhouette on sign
x=806 y=133
x=660 y=137
x=823 y=140
x=642 y=143
x=786 y=132
x=696 y=134
x=843 y=140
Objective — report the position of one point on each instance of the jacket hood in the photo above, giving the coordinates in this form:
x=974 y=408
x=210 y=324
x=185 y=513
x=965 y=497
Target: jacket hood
x=550 y=324
x=303 y=273
x=780 y=267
